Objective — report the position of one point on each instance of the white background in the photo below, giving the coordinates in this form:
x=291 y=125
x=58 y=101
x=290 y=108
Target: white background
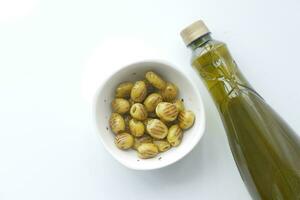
x=55 y=53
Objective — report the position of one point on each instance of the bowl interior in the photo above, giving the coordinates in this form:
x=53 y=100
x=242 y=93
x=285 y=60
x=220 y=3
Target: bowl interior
x=134 y=72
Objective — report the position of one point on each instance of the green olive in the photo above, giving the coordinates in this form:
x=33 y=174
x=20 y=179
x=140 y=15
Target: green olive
x=170 y=92
x=123 y=90
x=151 y=101
x=147 y=150
x=166 y=111
x=138 y=91
x=124 y=141
x=157 y=129
x=175 y=135
x=179 y=104
x=140 y=140
x=120 y=105
x=117 y=123
x=155 y=80
x=138 y=111
x=136 y=127
x=186 y=119
x=162 y=145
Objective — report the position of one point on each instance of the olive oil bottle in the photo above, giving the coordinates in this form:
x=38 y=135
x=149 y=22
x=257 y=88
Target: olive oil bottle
x=266 y=150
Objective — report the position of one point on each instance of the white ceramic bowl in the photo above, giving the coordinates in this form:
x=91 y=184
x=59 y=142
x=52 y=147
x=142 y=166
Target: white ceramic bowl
x=136 y=71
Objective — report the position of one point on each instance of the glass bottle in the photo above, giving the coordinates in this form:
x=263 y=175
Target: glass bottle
x=266 y=150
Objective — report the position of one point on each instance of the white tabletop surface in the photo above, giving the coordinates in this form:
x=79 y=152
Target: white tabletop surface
x=54 y=54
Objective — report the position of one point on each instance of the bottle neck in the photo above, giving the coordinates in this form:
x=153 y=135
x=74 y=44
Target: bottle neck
x=200 y=41
x=215 y=65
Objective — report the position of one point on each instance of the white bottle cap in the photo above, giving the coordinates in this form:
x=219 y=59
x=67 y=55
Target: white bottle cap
x=193 y=32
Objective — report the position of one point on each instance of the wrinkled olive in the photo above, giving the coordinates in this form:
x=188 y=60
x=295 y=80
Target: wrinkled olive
x=186 y=119
x=179 y=104
x=138 y=111
x=123 y=90
x=124 y=141
x=157 y=129
x=117 y=123
x=175 y=135
x=151 y=101
x=166 y=111
x=170 y=92
x=147 y=150
x=156 y=80
x=140 y=140
x=162 y=145
x=120 y=105
x=138 y=91
x=136 y=127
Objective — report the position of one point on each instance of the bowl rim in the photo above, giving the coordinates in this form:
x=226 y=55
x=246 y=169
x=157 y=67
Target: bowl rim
x=196 y=92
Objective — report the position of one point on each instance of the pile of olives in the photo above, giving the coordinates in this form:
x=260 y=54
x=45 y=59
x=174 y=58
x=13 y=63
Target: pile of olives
x=148 y=117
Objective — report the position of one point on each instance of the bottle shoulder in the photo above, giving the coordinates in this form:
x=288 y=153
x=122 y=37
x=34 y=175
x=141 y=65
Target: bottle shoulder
x=208 y=46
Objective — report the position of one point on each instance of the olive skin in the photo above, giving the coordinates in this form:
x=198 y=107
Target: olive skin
x=157 y=129
x=175 y=135
x=162 y=145
x=186 y=119
x=120 y=105
x=155 y=80
x=151 y=101
x=179 y=105
x=166 y=111
x=147 y=150
x=138 y=111
x=123 y=90
x=139 y=91
x=136 y=127
x=170 y=92
x=140 y=140
x=124 y=141
x=116 y=123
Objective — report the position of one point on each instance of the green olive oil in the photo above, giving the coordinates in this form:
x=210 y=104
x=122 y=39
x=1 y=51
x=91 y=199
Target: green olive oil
x=266 y=150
